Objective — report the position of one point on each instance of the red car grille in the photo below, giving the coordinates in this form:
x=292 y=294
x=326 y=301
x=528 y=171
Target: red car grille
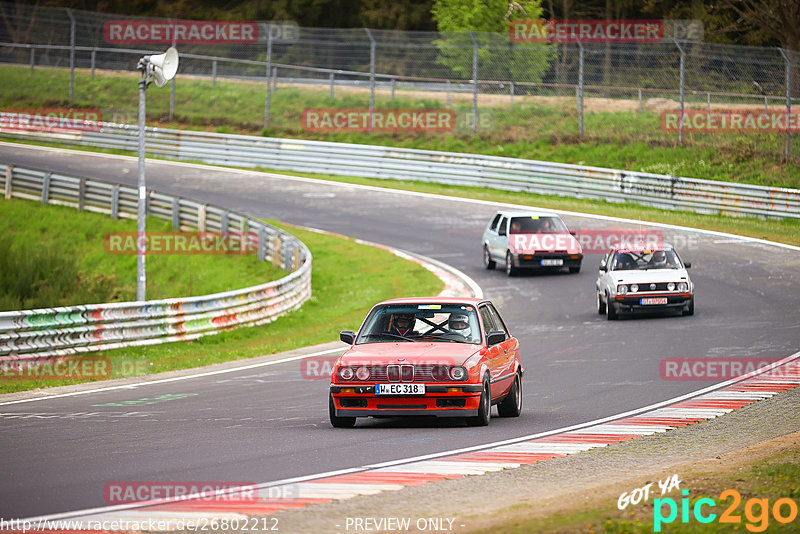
x=408 y=373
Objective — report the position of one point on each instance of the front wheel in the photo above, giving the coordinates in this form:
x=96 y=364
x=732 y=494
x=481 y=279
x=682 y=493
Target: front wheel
x=611 y=310
x=485 y=409
x=336 y=421
x=510 y=269
x=601 y=306
x=512 y=404
x=488 y=262
x=689 y=309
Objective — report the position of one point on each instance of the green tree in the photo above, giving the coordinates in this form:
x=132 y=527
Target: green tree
x=498 y=57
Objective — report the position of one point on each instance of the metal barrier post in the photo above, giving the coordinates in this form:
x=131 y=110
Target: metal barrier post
x=115 y=201
x=330 y=94
x=81 y=193
x=268 y=96
x=94 y=57
x=394 y=83
x=9 y=175
x=640 y=100
x=262 y=243
x=474 y=83
x=214 y=74
x=511 y=92
x=46 y=186
x=176 y=213
x=33 y=55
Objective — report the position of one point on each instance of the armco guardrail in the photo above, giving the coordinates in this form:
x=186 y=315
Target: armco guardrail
x=702 y=196
x=75 y=329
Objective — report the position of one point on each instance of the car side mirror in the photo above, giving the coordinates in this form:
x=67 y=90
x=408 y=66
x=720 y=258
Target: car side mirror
x=495 y=337
x=603 y=267
x=687 y=264
x=347 y=336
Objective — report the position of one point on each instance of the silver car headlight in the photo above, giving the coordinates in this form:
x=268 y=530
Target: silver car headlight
x=622 y=289
x=346 y=373
x=634 y=288
x=458 y=373
x=671 y=286
x=362 y=373
x=683 y=286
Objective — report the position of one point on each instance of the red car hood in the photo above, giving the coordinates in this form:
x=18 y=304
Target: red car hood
x=437 y=353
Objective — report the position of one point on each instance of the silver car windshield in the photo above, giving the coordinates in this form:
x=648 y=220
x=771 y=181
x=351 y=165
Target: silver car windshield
x=454 y=323
x=644 y=260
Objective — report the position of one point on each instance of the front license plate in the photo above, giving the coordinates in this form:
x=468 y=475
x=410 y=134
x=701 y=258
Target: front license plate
x=399 y=389
x=653 y=300
x=552 y=263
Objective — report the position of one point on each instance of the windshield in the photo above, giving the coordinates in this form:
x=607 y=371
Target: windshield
x=643 y=260
x=535 y=223
x=421 y=322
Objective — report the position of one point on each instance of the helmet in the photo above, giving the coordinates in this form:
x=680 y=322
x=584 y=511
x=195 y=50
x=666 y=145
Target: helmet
x=404 y=321
x=458 y=322
x=659 y=256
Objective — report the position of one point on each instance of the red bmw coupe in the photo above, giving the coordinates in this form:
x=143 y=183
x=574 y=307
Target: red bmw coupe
x=445 y=357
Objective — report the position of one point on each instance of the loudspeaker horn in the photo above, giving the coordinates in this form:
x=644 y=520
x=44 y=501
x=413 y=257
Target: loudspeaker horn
x=164 y=66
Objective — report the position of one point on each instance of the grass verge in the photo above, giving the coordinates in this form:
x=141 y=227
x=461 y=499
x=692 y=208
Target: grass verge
x=55 y=256
x=348 y=279
x=759 y=485
x=542 y=128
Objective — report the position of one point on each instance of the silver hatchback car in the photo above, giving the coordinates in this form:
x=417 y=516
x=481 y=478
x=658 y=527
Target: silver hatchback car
x=530 y=240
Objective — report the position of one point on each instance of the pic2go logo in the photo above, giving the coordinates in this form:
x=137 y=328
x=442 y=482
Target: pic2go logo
x=756 y=511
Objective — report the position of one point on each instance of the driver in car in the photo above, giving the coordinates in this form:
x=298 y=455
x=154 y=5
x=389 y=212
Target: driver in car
x=402 y=324
x=459 y=324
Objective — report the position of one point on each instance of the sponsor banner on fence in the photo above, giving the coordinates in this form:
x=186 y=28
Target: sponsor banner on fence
x=586 y=31
x=715 y=369
x=181 y=243
x=167 y=31
x=57 y=368
x=51 y=120
x=730 y=121
x=127 y=492
x=380 y=120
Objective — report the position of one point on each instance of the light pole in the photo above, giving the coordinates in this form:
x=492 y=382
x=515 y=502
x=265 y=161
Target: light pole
x=160 y=69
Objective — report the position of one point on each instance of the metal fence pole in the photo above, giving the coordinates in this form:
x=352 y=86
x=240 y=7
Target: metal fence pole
x=214 y=74
x=268 y=96
x=682 y=89
x=474 y=83
x=172 y=100
x=708 y=107
x=141 y=209
x=511 y=91
x=640 y=100
x=580 y=89
x=274 y=78
x=788 y=101
x=394 y=84
x=371 y=79
x=33 y=57
x=447 y=98
x=94 y=57
x=71 y=54
x=330 y=93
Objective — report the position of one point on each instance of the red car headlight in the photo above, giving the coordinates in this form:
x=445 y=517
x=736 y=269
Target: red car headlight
x=346 y=373
x=362 y=373
x=458 y=373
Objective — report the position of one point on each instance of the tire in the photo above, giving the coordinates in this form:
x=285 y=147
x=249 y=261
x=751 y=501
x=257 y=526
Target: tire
x=488 y=262
x=512 y=404
x=510 y=269
x=601 y=306
x=689 y=309
x=611 y=311
x=485 y=410
x=336 y=421
x=575 y=269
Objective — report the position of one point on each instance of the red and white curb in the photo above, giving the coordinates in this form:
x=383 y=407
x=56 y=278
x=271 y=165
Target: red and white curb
x=689 y=409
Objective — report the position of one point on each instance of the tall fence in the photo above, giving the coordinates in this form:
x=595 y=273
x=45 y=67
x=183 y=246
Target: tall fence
x=512 y=174
x=479 y=70
x=77 y=329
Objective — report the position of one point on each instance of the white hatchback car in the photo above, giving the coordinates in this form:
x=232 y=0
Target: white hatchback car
x=632 y=280
x=530 y=240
